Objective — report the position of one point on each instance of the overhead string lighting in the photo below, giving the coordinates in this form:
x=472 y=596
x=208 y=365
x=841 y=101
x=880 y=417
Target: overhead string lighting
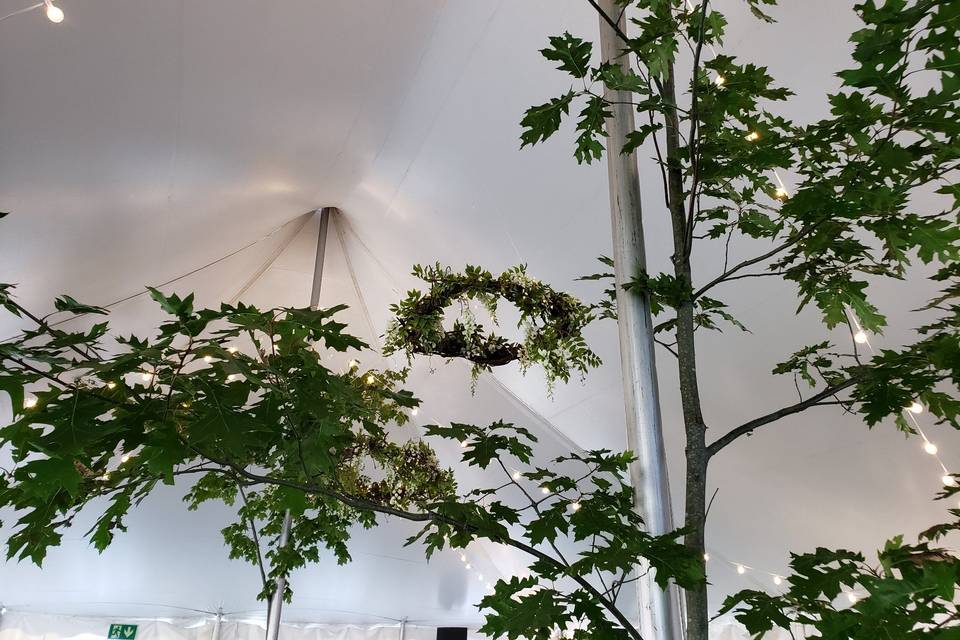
x=911 y=411
x=53 y=12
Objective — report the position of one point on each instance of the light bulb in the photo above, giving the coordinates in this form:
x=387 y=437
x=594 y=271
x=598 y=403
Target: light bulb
x=706 y=557
x=146 y=376
x=544 y=490
x=852 y=597
x=516 y=475
x=915 y=407
x=480 y=577
x=780 y=193
x=860 y=337
x=753 y=136
x=208 y=359
x=30 y=402
x=948 y=481
x=125 y=457
x=777 y=580
x=54 y=13
x=741 y=569
x=231 y=349
x=111 y=385
x=463 y=557
x=371 y=379
x=468 y=565
x=414 y=411
x=105 y=476
x=575 y=506
x=930 y=448
x=464 y=444
x=719 y=80
x=353 y=364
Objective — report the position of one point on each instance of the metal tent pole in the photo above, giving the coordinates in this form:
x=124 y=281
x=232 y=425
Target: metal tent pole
x=276 y=600
x=659 y=609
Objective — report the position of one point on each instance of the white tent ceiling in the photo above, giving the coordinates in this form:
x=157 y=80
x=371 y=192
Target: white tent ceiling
x=141 y=140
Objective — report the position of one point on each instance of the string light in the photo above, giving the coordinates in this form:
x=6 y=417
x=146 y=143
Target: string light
x=464 y=444
x=753 y=136
x=111 y=385
x=706 y=557
x=231 y=350
x=414 y=411
x=915 y=408
x=125 y=458
x=146 y=376
x=930 y=448
x=852 y=597
x=463 y=557
x=54 y=13
x=516 y=475
x=467 y=566
x=741 y=569
x=860 y=337
x=353 y=364
x=575 y=506
x=777 y=580
x=30 y=402
x=780 y=193
x=719 y=80
x=948 y=480
x=544 y=490
x=370 y=378
x=208 y=359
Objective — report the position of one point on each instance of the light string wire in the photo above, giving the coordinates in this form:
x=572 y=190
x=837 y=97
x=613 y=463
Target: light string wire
x=53 y=12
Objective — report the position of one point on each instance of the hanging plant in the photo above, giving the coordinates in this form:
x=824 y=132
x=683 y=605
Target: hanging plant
x=552 y=322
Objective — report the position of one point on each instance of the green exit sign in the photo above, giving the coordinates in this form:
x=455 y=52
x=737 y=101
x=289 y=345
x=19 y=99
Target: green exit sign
x=122 y=632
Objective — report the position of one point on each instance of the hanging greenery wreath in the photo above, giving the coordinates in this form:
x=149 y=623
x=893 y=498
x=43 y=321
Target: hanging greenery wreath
x=552 y=322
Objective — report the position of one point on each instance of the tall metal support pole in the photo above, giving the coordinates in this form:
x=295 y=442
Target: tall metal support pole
x=659 y=609
x=276 y=600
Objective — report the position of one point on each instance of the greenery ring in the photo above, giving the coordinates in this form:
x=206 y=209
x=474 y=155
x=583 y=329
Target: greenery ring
x=552 y=322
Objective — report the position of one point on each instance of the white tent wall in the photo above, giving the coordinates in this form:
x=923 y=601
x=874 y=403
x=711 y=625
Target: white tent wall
x=17 y=625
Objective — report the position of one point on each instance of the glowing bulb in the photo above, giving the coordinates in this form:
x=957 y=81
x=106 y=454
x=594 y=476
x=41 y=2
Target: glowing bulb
x=544 y=490
x=231 y=349
x=741 y=569
x=463 y=444
x=930 y=448
x=915 y=407
x=146 y=376
x=575 y=506
x=719 y=80
x=948 y=481
x=105 y=476
x=111 y=385
x=463 y=558
x=480 y=577
x=30 y=402
x=516 y=475
x=125 y=457
x=54 y=13
x=706 y=557
x=371 y=379
x=753 y=136
x=208 y=359
x=414 y=411
x=468 y=565
x=353 y=364
x=777 y=580
x=780 y=193
x=860 y=337
x=852 y=597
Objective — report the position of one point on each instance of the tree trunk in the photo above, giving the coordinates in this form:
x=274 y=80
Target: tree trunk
x=695 y=430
